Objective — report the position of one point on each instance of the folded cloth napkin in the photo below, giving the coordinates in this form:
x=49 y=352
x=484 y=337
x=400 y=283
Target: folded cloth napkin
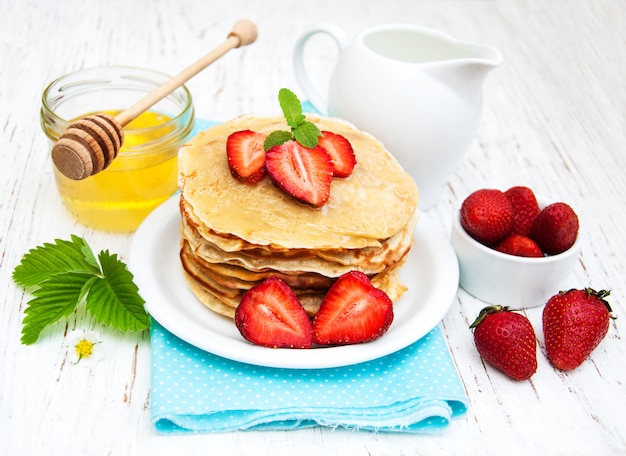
x=416 y=389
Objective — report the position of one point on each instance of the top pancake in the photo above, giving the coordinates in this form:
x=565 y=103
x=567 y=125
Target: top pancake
x=375 y=202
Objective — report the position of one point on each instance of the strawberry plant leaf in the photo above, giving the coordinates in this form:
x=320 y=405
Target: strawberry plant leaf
x=56 y=298
x=88 y=254
x=62 y=274
x=61 y=256
x=114 y=299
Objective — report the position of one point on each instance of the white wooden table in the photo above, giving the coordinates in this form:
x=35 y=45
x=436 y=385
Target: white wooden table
x=553 y=120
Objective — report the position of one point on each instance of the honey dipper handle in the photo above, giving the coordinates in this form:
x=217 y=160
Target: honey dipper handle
x=244 y=32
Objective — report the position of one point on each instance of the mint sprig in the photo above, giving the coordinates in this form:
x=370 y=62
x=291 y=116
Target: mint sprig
x=276 y=138
x=302 y=131
x=292 y=108
x=64 y=274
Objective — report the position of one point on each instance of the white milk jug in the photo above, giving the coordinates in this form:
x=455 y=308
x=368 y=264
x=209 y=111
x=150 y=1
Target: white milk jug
x=416 y=90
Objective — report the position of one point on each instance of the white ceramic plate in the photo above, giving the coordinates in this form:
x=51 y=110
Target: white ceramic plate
x=431 y=274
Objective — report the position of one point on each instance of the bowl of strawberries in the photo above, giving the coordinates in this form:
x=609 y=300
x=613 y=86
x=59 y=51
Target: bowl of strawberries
x=514 y=248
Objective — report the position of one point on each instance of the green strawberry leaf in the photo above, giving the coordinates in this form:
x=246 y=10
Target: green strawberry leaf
x=61 y=256
x=65 y=273
x=114 y=299
x=49 y=259
x=88 y=254
x=57 y=297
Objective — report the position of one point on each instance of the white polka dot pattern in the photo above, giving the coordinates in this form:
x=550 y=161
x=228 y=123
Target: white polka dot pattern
x=414 y=390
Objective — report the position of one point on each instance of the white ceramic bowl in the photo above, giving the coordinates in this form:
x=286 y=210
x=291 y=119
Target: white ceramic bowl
x=508 y=280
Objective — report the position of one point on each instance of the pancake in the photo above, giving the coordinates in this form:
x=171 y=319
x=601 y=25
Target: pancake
x=224 y=297
x=330 y=262
x=235 y=235
x=372 y=204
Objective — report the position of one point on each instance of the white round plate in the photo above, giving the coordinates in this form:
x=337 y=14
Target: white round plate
x=431 y=274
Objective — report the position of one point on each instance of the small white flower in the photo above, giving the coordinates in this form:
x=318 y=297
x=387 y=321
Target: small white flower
x=84 y=347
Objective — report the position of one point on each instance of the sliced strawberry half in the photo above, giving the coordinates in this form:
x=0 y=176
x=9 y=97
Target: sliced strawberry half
x=246 y=155
x=271 y=315
x=353 y=311
x=303 y=173
x=340 y=151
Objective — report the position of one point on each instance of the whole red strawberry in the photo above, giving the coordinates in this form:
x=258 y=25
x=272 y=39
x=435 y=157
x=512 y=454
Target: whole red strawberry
x=518 y=245
x=525 y=208
x=507 y=341
x=574 y=324
x=555 y=229
x=487 y=216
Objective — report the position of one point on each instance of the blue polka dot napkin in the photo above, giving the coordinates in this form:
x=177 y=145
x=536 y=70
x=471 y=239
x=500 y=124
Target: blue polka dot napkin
x=416 y=389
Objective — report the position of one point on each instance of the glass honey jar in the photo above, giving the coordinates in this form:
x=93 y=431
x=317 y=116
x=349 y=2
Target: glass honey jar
x=145 y=172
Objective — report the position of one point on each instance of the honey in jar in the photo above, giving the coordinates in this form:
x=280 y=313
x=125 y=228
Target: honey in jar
x=144 y=174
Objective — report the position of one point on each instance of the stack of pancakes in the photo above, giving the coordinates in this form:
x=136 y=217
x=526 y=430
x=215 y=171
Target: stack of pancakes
x=235 y=235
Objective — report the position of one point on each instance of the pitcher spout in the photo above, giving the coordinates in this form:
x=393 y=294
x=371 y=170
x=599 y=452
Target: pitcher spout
x=487 y=56
x=466 y=73
x=483 y=59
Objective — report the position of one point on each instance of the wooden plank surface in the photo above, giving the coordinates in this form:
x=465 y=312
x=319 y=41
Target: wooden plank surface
x=553 y=119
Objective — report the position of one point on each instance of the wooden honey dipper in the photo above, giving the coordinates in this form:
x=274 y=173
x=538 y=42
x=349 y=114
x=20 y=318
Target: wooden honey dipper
x=91 y=143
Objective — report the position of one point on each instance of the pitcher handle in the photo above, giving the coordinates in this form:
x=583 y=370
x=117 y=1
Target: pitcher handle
x=315 y=98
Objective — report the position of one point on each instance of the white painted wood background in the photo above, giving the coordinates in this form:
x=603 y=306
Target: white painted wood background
x=553 y=120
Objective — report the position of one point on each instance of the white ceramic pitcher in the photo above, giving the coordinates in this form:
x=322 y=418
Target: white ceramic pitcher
x=417 y=90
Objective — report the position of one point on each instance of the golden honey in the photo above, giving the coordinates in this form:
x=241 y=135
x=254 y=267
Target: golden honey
x=120 y=197
x=144 y=174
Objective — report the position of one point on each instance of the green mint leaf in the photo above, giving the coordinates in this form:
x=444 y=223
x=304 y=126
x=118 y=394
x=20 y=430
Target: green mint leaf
x=303 y=131
x=114 y=299
x=292 y=109
x=49 y=259
x=307 y=134
x=56 y=298
x=276 y=138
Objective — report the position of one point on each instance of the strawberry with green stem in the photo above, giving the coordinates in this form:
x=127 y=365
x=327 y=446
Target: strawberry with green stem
x=574 y=324
x=506 y=340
